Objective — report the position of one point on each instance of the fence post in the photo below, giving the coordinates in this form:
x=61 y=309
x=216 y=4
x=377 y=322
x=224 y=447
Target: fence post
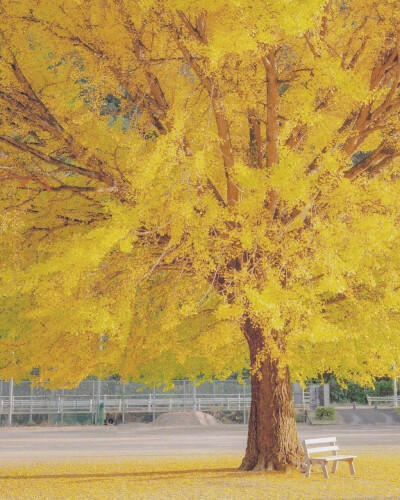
x=244 y=404
x=214 y=398
x=62 y=406
x=123 y=403
x=91 y=405
x=154 y=403
x=194 y=397
x=98 y=399
x=31 y=408
x=11 y=400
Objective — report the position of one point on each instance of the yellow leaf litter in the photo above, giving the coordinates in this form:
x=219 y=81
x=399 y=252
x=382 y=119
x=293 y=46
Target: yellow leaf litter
x=197 y=478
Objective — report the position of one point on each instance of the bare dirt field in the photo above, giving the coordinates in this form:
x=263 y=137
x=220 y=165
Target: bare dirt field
x=146 y=440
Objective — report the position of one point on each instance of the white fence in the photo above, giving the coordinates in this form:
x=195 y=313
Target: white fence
x=122 y=399
x=85 y=404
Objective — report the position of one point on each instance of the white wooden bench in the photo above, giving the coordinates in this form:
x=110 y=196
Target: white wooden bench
x=321 y=445
x=385 y=400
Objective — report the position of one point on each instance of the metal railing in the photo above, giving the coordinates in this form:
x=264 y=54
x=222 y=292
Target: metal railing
x=130 y=398
x=23 y=405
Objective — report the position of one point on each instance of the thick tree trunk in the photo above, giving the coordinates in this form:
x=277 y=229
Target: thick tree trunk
x=272 y=442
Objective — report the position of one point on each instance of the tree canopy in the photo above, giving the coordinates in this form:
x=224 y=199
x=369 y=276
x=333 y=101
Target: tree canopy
x=172 y=170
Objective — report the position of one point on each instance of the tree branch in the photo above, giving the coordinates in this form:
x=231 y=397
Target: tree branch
x=218 y=108
x=272 y=137
x=66 y=167
x=272 y=107
x=256 y=143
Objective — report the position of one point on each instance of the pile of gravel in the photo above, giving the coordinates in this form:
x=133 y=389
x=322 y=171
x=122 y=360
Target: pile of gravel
x=185 y=419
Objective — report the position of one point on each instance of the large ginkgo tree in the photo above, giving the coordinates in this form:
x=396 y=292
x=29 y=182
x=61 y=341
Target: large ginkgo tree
x=192 y=187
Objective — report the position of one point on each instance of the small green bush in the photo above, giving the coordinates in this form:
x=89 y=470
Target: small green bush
x=325 y=413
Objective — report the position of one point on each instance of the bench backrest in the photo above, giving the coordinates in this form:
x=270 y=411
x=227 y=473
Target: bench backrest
x=319 y=445
x=380 y=398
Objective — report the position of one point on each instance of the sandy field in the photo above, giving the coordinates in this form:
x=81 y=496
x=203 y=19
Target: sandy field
x=141 y=440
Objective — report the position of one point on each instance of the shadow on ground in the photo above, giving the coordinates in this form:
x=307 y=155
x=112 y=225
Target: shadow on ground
x=226 y=472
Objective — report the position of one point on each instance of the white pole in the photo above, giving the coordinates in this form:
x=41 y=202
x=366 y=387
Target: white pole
x=123 y=403
x=11 y=400
x=62 y=406
x=31 y=407
x=213 y=398
x=244 y=403
x=154 y=403
x=194 y=397
x=98 y=399
x=395 y=397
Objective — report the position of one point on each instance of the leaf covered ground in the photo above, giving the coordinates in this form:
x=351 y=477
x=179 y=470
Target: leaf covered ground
x=196 y=478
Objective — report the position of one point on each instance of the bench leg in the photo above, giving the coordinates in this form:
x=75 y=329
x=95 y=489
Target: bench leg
x=335 y=466
x=308 y=470
x=325 y=471
x=352 y=468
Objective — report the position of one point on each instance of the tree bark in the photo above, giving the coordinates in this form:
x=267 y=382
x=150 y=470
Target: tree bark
x=272 y=442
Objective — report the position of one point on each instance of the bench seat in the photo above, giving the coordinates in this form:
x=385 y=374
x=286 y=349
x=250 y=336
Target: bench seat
x=333 y=457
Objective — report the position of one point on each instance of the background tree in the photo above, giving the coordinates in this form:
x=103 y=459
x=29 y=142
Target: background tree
x=183 y=178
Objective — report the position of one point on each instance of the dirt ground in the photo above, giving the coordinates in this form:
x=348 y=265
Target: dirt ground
x=145 y=440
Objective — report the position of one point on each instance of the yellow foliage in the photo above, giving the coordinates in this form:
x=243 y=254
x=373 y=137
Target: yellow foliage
x=170 y=170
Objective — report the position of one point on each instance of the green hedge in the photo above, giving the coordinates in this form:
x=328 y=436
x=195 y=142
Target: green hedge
x=356 y=393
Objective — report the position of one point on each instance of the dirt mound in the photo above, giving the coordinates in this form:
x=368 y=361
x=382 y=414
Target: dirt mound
x=185 y=418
